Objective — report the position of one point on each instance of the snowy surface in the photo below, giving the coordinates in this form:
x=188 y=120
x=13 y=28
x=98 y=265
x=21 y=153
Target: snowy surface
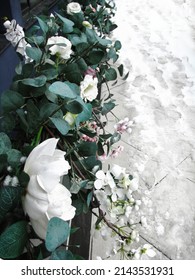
x=158 y=39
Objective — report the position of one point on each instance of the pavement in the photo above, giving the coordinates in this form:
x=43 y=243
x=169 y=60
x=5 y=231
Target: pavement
x=159 y=96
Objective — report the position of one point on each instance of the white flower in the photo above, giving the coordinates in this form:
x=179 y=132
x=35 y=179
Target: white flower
x=118 y=171
x=45 y=196
x=88 y=88
x=103 y=180
x=148 y=250
x=73 y=8
x=60 y=45
x=15 y=34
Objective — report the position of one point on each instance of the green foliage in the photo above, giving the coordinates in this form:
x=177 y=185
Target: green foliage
x=57 y=233
x=13 y=240
x=11 y=100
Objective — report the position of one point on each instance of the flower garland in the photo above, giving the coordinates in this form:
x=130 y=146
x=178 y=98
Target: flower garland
x=54 y=101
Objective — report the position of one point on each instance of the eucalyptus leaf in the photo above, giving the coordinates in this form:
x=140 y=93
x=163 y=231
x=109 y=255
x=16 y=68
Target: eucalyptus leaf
x=14 y=157
x=5 y=143
x=34 y=53
x=107 y=107
x=111 y=74
x=61 y=125
x=67 y=24
x=13 y=240
x=35 y=82
x=9 y=198
x=11 y=100
x=95 y=57
x=85 y=114
x=62 y=89
x=62 y=254
x=57 y=232
x=87 y=148
x=43 y=25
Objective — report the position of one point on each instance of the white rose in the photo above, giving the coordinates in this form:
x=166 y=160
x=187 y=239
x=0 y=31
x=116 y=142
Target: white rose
x=88 y=88
x=45 y=196
x=60 y=45
x=73 y=8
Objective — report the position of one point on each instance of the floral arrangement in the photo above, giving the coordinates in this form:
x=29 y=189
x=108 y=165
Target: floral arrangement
x=53 y=128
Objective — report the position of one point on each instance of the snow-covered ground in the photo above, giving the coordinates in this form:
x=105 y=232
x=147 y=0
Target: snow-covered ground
x=158 y=39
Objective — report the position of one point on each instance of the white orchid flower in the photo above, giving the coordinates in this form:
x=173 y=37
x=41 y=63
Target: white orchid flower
x=46 y=197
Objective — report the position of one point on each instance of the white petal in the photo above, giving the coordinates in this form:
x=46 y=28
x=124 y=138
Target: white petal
x=100 y=175
x=40 y=226
x=47 y=147
x=35 y=208
x=35 y=189
x=151 y=253
x=60 y=203
x=98 y=184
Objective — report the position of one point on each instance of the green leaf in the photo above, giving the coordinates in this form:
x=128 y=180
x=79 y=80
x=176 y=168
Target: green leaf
x=120 y=69
x=87 y=148
x=73 y=73
x=85 y=114
x=61 y=125
x=32 y=116
x=81 y=47
x=95 y=57
x=3 y=163
x=78 y=39
x=8 y=122
x=92 y=38
x=43 y=25
x=47 y=110
x=62 y=254
x=36 y=82
x=110 y=74
x=112 y=54
x=57 y=232
x=23 y=179
x=74 y=107
x=34 y=53
x=67 y=24
x=92 y=161
x=13 y=240
x=107 y=107
x=117 y=45
x=5 y=143
x=115 y=138
x=50 y=72
x=89 y=198
x=14 y=157
x=9 y=198
x=104 y=42
x=62 y=89
x=11 y=100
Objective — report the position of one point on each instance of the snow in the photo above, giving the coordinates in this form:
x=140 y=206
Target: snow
x=158 y=47
x=159 y=50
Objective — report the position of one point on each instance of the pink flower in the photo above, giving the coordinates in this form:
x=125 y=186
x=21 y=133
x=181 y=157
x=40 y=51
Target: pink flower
x=90 y=71
x=123 y=126
x=116 y=152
